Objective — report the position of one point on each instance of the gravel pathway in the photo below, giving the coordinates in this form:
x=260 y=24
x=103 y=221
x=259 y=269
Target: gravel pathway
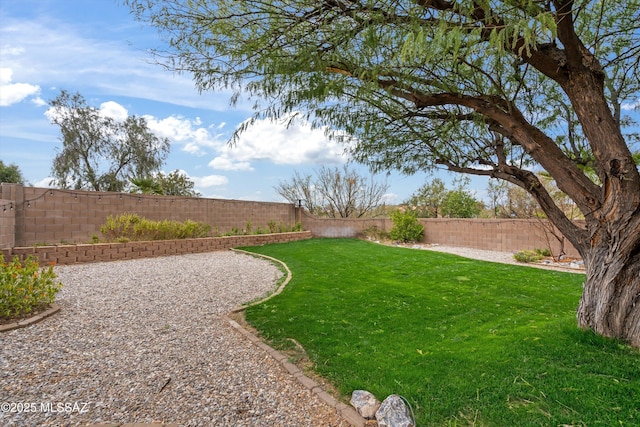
x=144 y=341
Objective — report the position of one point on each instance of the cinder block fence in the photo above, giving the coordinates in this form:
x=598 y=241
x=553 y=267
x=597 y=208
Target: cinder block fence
x=57 y=225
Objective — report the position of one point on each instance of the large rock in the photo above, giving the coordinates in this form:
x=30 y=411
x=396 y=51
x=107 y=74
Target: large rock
x=394 y=413
x=365 y=403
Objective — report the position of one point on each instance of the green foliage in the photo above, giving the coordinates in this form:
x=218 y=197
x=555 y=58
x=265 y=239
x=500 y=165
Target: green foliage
x=427 y=200
x=99 y=153
x=406 y=227
x=527 y=256
x=460 y=204
x=480 y=87
x=468 y=343
x=24 y=288
x=10 y=174
x=132 y=227
x=543 y=252
x=175 y=183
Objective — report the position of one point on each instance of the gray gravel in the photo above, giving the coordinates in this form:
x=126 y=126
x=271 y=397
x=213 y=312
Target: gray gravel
x=144 y=341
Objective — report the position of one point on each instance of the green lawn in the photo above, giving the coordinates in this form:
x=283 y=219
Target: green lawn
x=466 y=342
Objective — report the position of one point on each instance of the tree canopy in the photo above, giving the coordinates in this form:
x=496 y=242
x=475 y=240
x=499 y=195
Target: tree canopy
x=487 y=87
x=174 y=183
x=99 y=153
x=10 y=174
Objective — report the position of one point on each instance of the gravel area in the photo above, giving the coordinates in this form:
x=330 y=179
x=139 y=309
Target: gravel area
x=496 y=256
x=144 y=341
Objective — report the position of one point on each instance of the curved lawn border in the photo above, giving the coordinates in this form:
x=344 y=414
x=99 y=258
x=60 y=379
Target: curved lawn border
x=53 y=309
x=284 y=283
x=347 y=412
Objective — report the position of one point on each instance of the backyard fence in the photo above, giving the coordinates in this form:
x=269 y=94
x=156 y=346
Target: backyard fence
x=32 y=216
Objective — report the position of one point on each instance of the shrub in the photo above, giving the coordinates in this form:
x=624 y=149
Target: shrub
x=527 y=256
x=406 y=227
x=374 y=233
x=543 y=252
x=24 y=288
x=130 y=226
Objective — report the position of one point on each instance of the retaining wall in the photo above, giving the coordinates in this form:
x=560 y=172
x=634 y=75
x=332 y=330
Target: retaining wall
x=83 y=253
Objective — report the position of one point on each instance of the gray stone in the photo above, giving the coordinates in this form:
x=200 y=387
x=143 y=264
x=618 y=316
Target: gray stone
x=365 y=403
x=394 y=413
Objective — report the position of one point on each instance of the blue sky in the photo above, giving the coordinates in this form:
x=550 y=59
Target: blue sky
x=97 y=48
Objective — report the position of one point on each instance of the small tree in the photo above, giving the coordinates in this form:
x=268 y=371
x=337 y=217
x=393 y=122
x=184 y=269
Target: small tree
x=10 y=174
x=427 y=201
x=99 y=153
x=335 y=192
x=460 y=204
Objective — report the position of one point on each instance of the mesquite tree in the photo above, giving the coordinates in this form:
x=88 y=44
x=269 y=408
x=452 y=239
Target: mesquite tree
x=487 y=87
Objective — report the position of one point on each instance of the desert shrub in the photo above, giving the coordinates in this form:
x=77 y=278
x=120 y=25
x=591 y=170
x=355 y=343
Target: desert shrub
x=374 y=233
x=24 y=288
x=527 y=256
x=130 y=226
x=543 y=252
x=406 y=227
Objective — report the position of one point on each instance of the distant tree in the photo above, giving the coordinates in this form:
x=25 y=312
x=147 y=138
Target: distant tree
x=511 y=201
x=335 y=192
x=99 y=153
x=148 y=185
x=426 y=202
x=460 y=203
x=175 y=183
x=10 y=174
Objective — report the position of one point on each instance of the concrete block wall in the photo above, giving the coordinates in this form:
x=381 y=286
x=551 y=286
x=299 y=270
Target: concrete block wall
x=7 y=224
x=504 y=235
x=53 y=216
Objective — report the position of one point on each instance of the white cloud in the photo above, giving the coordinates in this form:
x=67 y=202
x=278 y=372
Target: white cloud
x=12 y=93
x=631 y=106
x=276 y=142
x=114 y=110
x=223 y=163
x=49 y=52
x=182 y=130
x=209 y=181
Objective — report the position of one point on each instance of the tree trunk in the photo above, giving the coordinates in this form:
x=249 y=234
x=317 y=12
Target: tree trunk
x=610 y=303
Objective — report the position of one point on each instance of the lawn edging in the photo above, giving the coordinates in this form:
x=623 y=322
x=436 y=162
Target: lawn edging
x=35 y=318
x=347 y=412
x=271 y=295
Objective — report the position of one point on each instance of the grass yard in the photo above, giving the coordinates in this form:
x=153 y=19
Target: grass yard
x=466 y=342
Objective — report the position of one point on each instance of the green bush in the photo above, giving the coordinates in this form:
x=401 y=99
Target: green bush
x=406 y=227
x=543 y=252
x=24 y=288
x=130 y=226
x=527 y=256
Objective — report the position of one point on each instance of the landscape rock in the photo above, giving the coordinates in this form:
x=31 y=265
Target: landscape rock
x=365 y=403
x=394 y=413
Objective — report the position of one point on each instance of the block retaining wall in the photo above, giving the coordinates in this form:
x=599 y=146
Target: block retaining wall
x=85 y=253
